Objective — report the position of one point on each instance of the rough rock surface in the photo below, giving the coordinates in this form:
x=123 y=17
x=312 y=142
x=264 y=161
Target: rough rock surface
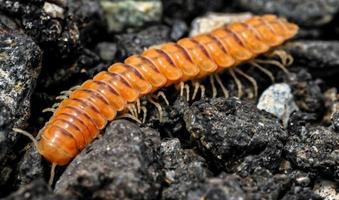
x=307 y=93
x=135 y=43
x=121 y=14
x=20 y=63
x=123 y=164
x=320 y=57
x=37 y=190
x=314 y=12
x=183 y=169
x=315 y=149
x=238 y=135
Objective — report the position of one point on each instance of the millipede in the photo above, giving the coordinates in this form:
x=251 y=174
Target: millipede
x=79 y=118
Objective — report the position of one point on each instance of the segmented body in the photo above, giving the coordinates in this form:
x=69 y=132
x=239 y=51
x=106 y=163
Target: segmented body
x=78 y=119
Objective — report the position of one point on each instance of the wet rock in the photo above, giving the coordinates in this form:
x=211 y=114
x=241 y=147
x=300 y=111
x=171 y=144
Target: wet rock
x=320 y=57
x=307 y=93
x=123 y=164
x=278 y=100
x=106 y=51
x=131 y=13
x=326 y=189
x=238 y=135
x=186 y=10
x=135 y=43
x=36 y=190
x=314 y=12
x=214 y=20
x=314 y=149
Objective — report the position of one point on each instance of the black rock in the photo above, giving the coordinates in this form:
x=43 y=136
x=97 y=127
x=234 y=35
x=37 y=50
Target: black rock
x=36 y=190
x=188 y=9
x=300 y=193
x=307 y=93
x=315 y=149
x=314 y=12
x=58 y=37
x=183 y=169
x=29 y=167
x=179 y=29
x=135 y=43
x=19 y=67
x=335 y=121
x=106 y=51
x=238 y=135
x=20 y=63
x=123 y=164
x=90 y=19
x=319 y=57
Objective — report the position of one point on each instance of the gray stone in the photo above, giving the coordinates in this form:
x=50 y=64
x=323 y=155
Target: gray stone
x=304 y=12
x=211 y=21
x=36 y=190
x=121 y=14
x=278 y=100
x=320 y=57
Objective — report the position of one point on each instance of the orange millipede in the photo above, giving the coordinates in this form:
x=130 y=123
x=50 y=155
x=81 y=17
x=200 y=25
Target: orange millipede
x=80 y=117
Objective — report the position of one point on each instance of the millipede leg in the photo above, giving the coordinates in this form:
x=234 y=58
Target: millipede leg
x=250 y=79
x=62 y=97
x=203 y=89
x=187 y=88
x=262 y=69
x=144 y=111
x=237 y=82
x=133 y=110
x=27 y=134
x=157 y=105
x=275 y=63
x=214 y=89
x=162 y=94
x=223 y=88
x=138 y=105
x=48 y=110
x=196 y=85
x=51 y=177
x=181 y=85
x=129 y=116
x=286 y=58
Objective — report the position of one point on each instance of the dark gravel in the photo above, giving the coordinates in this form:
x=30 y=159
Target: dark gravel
x=209 y=148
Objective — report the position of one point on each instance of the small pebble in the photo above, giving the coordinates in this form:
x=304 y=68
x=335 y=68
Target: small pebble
x=278 y=100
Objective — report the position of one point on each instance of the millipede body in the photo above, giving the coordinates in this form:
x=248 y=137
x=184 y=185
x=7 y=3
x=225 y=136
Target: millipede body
x=80 y=117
